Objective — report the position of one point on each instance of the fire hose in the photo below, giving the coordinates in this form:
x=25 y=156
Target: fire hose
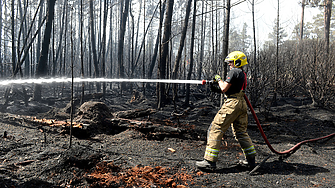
x=290 y=151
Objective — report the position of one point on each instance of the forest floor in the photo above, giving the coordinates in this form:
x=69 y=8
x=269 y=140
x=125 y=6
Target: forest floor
x=132 y=144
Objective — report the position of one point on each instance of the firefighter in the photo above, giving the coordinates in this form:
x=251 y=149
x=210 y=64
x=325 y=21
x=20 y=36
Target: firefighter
x=233 y=112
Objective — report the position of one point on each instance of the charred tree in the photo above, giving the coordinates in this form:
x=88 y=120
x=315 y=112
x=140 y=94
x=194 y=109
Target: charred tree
x=303 y=4
x=254 y=31
x=23 y=53
x=81 y=53
x=121 y=41
x=327 y=13
x=181 y=46
x=13 y=37
x=1 y=66
x=182 y=40
x=40 y=18
x=226 y=38
x=93 y=45
x=164 y=53
x=103 y=55
x=111 y=44
x=274 y=100
x=22 y=32
x=225 y=43
x=254 y=91
x=203 y=35
x=154 y=57
x=187 y=99
x=63 y=23
x=42 y=68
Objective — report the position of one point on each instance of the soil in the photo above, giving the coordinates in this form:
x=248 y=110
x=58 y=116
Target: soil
x=124 y=141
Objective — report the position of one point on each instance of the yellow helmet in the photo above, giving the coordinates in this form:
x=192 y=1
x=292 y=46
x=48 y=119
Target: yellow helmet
x=239 y=58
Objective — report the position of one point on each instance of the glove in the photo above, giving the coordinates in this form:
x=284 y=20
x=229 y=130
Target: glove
x=217 y=78
x=215 y=87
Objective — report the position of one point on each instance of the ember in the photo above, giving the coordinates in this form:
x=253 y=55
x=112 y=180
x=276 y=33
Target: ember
x=107 y=174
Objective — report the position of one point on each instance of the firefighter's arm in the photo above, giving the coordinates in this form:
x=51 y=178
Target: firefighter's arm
x=224 y=86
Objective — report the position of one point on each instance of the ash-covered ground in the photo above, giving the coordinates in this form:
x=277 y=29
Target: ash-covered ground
x=123 y=141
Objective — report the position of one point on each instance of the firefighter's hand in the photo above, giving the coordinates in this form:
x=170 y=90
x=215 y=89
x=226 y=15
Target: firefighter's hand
x=217 y=78
x=215 y=87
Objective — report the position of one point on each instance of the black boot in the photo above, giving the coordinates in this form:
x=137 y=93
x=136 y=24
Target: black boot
x=251 y=162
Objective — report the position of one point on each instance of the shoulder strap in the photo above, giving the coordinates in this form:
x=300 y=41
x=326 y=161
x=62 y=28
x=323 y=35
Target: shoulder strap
x=245 y=81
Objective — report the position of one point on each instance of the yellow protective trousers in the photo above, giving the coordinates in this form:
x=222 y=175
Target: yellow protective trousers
x=233 y=112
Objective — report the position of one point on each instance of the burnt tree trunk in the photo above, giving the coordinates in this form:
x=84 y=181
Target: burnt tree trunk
x=81 y=53
x=302 y=19
x=181 y=47
x=13 y=37
x=274 y=100
x=225 y=43
x=1 y=66
x=154 y=57
x=328 y=11
x=103 y=55
x=94 y=51
x=226 y=38
x=164 y=53
x=121 y=41
x=187 y=99
x=203 y=35
x=42 y=68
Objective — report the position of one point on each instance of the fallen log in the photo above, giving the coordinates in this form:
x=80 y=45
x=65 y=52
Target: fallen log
x=134 y=113
x=146 y=126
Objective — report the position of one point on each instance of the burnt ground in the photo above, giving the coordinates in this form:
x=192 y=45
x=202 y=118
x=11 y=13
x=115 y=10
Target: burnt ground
x=158 y=148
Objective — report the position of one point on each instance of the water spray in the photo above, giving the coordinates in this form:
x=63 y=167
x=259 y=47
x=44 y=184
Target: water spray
x=76 y=80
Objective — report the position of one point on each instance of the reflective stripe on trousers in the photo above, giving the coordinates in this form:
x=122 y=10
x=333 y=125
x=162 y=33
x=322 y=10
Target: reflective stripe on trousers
x=249 y=151
x=212 y=153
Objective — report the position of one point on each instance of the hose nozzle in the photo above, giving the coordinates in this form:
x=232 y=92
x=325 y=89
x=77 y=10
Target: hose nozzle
x=206 y=82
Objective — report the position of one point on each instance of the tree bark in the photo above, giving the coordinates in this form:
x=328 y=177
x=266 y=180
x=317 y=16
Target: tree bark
x=203 y=35
x=154 y=57
x=138 y=31
x=274 y=100
x=23 y=32
x=181 y=47
x=82 y=53
x=302 y=19
x=23 y=54
x=182 y=40
x=40 y=18
x=164 y=53
x=94 y=51
x=225 y=43
x=111 y=45
x=226 y=38
x=254 y=31
x=13 y=37
x=58 y=54
x=187 y=99
x=255 y=71
x=42 y=69
x=121 y=41
x=1 y=66
x=103 y=55
x=327 y=14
